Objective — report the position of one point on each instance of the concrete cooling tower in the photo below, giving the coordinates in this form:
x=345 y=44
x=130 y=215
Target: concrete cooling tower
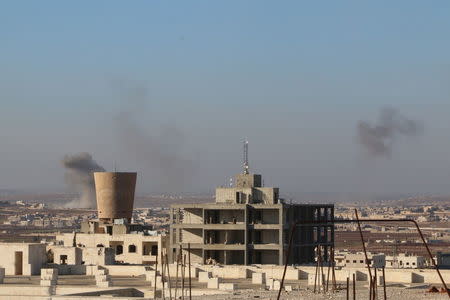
x=115 y=195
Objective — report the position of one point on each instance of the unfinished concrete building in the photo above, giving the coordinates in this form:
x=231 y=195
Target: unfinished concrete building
x=249 y=224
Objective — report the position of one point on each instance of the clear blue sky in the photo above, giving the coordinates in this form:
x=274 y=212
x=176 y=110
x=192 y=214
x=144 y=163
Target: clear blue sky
x=294 y=77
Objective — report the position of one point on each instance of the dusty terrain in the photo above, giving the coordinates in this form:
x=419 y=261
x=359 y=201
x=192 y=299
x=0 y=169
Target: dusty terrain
x=393 y=293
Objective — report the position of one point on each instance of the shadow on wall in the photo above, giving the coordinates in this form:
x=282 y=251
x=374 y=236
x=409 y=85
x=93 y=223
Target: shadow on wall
x=128 y=292
x=68 y=269
x=417 y=278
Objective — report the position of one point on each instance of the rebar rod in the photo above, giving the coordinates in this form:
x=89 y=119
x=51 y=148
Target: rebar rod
x=317 y=271
x=176 y=276
x=168 y=276
x=154 y=282
x=190 y=283
x=328 y=271
x=288 y=253
x=183 y=273
x=316 y=223
x=348 y=287
x=431 y=257
x=375 y=294
x=163 y=294
x=322 y=276
x=365 y=252
x=333 y=266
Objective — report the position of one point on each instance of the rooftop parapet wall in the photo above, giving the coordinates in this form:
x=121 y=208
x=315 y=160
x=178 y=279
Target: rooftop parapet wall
x=248 y=180
x=254 y=195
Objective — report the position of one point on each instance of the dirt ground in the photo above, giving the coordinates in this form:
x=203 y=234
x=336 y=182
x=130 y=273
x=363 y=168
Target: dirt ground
x=393 y=293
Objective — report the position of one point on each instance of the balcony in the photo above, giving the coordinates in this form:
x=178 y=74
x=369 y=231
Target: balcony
x=224 y=247
x=269 y=246
x=211 y=226
x=265 y=226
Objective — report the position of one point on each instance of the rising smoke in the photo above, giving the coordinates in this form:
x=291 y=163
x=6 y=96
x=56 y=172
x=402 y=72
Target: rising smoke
x=378 y=139
x=157 y=150
x=79 y=176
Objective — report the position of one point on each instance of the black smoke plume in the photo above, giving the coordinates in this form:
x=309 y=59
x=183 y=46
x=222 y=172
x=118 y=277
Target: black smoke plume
x=79 y=176
x=378 y=139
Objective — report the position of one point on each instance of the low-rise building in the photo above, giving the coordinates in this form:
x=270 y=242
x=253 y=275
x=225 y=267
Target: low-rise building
x=129 y=242
x=358 y=260
x=443 y=260
x=405 y=261
x=22 y=258
x=64 y=255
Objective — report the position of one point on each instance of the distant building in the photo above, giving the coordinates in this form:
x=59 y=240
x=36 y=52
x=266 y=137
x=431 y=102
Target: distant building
x=443 y=260
x=358 y=260
x=404 y=261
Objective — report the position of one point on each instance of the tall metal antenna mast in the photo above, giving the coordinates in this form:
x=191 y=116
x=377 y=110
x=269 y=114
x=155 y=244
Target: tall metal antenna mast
x=246 y=157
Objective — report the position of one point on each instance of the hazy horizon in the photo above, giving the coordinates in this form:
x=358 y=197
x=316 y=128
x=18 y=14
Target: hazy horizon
x=170 y=90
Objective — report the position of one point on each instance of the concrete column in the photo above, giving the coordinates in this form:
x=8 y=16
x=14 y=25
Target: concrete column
x=332 y=226
x=245 y=235
x=49 y=277
x=159 y=250
x=171 y=231
x=2 y=275
x=280 y=236
x=203 y=236
x=203 y=256
x=325 y=232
